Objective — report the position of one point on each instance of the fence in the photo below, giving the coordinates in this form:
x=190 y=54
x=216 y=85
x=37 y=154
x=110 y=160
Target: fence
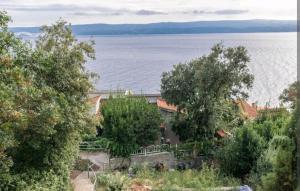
x=90 y=169
x=179 y=150
x=152 y=149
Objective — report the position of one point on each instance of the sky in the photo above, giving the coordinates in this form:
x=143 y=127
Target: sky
x=45 y=12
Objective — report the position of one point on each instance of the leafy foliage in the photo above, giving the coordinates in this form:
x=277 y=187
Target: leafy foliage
x=206 y=178
x=112 y=182
x=129 y=123
x=275 y=169
x=271 y=122
x=240 y=154
x=281 y=175
x=43 y=92
x=289 y=95
x=204 y=90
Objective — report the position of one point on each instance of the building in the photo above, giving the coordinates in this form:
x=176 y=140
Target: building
x=249 y=111
x=167 y=112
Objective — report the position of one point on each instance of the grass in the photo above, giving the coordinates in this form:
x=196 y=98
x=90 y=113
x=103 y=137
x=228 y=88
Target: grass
x=205 y=179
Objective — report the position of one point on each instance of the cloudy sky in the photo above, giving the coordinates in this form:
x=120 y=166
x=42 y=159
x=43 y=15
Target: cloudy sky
x=40 y=12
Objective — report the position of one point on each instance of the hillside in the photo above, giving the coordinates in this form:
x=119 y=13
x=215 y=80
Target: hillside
x=232 y=26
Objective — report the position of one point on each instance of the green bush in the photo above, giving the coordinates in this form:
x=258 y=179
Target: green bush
x=129 y=123
x=280 y=156
x=271 y=122
x=240 y=153
x=275 y=168
x=207 y=178
x=112 y=182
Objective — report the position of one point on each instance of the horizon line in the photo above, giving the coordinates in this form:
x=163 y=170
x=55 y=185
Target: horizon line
x=257 y=19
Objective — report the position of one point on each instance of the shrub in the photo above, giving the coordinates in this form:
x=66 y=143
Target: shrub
x=271 y=122
x=112 y=182
x=280 y=155
x=240 y=153
x=129 y=123
x=208 y=177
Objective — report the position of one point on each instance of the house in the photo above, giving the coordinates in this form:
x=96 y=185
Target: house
x=167 y=112
x=249 y=111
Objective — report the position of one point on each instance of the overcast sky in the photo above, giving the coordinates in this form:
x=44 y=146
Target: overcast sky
x=41 y=12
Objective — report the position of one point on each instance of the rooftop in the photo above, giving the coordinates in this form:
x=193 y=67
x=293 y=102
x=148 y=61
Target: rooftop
x=162 y=104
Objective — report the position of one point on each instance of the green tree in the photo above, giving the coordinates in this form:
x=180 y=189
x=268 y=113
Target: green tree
x=275 y=169
x=240 y=153
x=271 y=122
x=289 y=95
x=43 y=110
x=280 y=175
x=205 y=88
x=129 y=123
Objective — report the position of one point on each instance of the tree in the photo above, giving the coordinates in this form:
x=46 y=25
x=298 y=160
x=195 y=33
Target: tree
x=43 y=92
x=240 y=154
x=289 y=95
x=271 y=122
x=280 y=176
x=205 y=88
x=276 y=167
x=129 y=123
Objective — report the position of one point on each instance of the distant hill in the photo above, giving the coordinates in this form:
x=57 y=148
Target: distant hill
x=229 y=26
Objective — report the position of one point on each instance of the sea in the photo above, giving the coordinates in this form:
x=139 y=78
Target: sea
x=136 y=62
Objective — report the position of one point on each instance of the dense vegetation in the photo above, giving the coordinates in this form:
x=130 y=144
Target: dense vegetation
x=261 y=152
x=129 y=123
x=240 y=153
x=147 y=178
x=204 y=91
x=44 y=114
x=43 y=90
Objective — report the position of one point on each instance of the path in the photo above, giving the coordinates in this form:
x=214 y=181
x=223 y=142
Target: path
x=98 y=158
x=82 y=182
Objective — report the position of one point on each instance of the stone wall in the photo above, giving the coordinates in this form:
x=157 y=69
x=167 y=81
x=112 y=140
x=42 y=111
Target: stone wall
x=150 y=159
x=102 y=159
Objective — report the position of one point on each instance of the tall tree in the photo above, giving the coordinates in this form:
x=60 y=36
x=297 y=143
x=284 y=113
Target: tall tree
x=43 y=92
x=204 y=89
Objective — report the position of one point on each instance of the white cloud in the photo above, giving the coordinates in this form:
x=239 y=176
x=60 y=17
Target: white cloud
x=37 y=12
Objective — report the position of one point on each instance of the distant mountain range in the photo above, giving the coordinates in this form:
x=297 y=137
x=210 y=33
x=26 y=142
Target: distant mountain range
x=226 y=26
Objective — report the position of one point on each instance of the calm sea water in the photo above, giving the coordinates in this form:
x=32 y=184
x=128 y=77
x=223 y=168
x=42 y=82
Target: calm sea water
x=137 y=62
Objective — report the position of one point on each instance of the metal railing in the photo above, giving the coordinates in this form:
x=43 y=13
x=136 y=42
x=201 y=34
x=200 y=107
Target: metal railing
x=152 y=149
x=90 y=169
x=177 y=150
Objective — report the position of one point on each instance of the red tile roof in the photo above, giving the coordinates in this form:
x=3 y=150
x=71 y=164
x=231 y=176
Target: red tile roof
x=162 y=104
x=248 y=110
